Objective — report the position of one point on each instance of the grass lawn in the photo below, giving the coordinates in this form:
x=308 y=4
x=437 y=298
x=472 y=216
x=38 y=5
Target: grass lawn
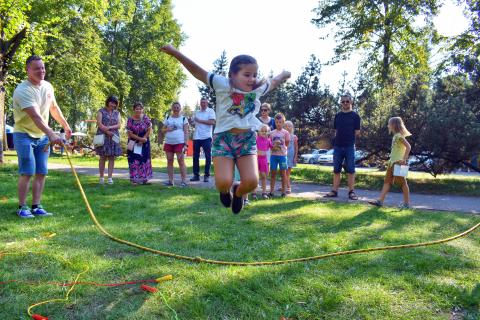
x=419 y=182
x=440 y=282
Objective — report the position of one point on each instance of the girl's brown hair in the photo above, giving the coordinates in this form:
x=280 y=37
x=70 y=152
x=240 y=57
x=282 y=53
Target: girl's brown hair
x=280 y=116
x=397 y=126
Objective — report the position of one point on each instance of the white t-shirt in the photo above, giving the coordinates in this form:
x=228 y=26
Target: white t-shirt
x=28 y=95
x=177 y=136
x=203 y=131
x=235 y=108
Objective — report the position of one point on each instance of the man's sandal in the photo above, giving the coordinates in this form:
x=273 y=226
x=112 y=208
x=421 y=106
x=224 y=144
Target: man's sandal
x=352 y=195
x=332 y=194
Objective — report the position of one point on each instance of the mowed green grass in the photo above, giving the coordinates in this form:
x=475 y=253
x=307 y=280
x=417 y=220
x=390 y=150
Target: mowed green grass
x=420 y=182
x=425 y=283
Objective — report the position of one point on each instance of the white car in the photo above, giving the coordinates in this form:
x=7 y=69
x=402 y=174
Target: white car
x=312 y=157
x=326 y=158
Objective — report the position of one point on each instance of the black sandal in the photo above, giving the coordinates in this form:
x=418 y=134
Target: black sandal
x=331 y=194
x=352 y=195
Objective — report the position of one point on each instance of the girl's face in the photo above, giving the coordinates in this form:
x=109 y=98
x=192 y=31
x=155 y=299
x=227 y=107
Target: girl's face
x=390 y=127
x=246 y=78
x=176 y=108
x=279 y=123
x=263 y=132
x=289 y=128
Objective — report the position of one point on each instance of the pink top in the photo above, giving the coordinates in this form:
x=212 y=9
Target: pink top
x=280 y=141
x=263 y=144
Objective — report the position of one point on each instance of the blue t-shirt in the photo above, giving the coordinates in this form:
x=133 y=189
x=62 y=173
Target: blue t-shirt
x=346 y=123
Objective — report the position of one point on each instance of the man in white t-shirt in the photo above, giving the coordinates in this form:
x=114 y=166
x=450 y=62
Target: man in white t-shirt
x=33 y=103
x=204 y=119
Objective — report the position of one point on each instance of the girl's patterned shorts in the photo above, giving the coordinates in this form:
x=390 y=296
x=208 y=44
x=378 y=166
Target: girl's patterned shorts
x=233 y=146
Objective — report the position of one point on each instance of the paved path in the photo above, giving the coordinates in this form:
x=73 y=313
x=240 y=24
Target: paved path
x=313 y=191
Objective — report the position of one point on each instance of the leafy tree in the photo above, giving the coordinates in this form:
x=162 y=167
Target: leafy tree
x=220 y=67
x=25 y=26
x=384 y=30
x=451 y=132
x=136 y=29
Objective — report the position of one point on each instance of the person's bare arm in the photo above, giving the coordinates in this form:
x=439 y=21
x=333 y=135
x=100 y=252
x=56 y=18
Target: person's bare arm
x=58 y=116
x=295 y=158
x=407 y=150
x=210 y=122
x=191 y=66
x=42 y=125
x=279 y=79
x=101 y=126
x=118 y=125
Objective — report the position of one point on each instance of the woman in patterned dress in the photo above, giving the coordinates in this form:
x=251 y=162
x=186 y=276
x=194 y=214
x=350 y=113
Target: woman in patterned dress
x=108 y=122
x=139 y=128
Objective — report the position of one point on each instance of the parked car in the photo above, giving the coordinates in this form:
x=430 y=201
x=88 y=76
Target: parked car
x=326 y=158
x=419 y=163
x=312 y=157
x=360 y=154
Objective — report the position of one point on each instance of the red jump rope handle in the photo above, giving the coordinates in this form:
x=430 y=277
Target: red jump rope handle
x=38 y=317
x=148 y=288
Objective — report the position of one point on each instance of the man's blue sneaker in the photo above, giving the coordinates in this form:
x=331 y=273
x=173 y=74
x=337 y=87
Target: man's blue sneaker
x=24 y=212
x=40 y=212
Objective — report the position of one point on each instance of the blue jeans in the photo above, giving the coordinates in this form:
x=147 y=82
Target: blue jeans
x=32 y=154
x=206 y=145
x=341 y=154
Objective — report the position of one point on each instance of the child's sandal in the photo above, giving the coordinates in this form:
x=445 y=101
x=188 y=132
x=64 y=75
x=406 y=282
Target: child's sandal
x=332 y=194
x=376 y=203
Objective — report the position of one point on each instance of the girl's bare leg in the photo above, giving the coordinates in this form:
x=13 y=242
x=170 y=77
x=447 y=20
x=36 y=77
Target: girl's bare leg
x=248 y=169
x=223 y=173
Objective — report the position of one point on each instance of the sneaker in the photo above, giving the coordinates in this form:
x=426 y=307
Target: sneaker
x=183 y=184
x=283 y=195
x=110 y=181
x=265 y=196
x=206 y=178
x=404 y=206
x=288 y=191
x=195 y=178
x=40 y=212
x=101 y=181
x=168 y=183
x=254 y=196
x=271 y=195
x=226 y=199
x=24 y=212
x=237 y=202
x=246 y=202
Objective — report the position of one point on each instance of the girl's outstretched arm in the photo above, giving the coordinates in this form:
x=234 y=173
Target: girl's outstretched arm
x=191 y=66
x=278 y=80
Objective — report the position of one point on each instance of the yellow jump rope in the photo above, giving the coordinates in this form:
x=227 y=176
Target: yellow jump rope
x=253 y=263
x=212 y=261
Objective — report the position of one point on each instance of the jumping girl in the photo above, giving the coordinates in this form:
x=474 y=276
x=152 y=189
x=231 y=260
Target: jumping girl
x=234 y=140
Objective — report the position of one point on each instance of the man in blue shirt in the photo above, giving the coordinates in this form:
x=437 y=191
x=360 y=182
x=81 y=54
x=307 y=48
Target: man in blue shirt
x=347 y=126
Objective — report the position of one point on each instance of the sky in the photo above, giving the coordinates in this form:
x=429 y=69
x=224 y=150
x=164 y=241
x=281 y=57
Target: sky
x=278 y=33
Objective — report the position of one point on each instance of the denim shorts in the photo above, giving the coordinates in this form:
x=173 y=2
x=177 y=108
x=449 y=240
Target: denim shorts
x=278 y=162
x=234 y=145
x=32 y=156
x=341 y=154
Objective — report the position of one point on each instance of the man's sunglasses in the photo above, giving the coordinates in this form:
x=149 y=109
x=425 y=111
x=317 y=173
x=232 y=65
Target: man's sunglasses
x=264 y=110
